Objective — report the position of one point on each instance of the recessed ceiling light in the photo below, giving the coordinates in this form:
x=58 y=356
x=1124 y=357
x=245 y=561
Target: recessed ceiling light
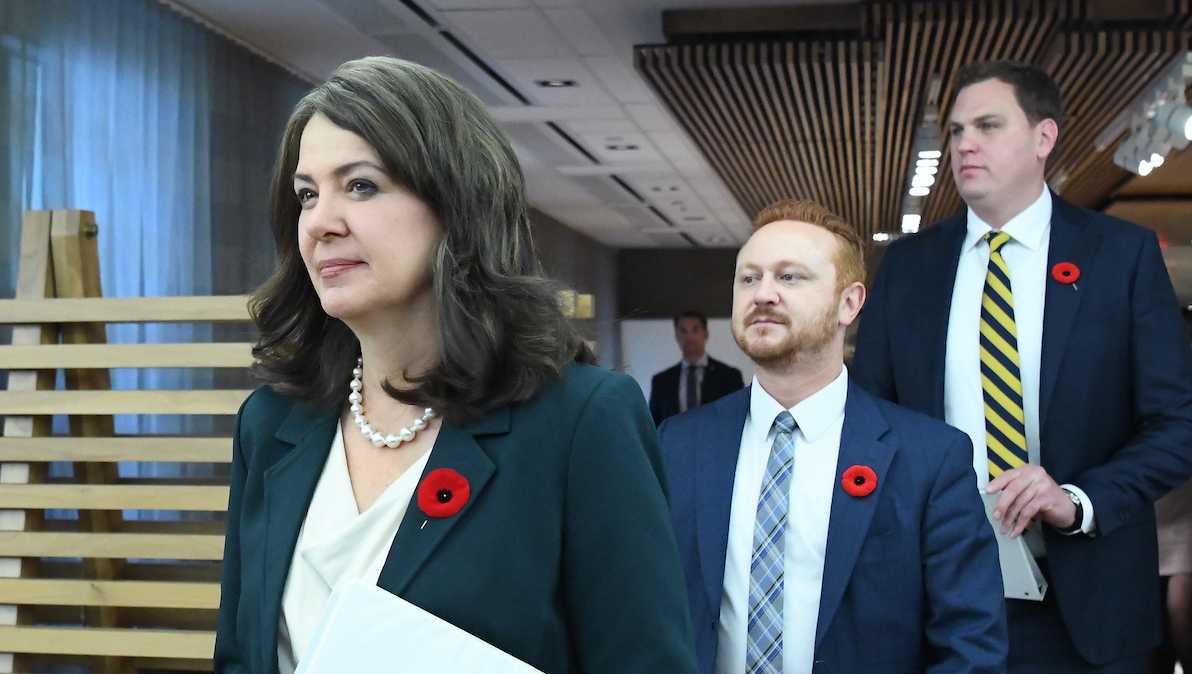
x=556 y=84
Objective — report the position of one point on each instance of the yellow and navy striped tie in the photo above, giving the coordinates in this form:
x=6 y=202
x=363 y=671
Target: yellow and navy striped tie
x=1001 y=380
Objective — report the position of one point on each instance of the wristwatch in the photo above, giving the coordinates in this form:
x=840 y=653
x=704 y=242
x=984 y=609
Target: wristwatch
x=1076 y=524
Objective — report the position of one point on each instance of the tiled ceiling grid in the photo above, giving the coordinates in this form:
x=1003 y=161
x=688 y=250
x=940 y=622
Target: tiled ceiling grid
x=601 y=155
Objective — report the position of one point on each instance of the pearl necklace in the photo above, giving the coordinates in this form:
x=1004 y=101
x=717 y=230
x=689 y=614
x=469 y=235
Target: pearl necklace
x=392 y=440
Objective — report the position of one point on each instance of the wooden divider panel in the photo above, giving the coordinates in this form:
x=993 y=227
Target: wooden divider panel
x=145 y=595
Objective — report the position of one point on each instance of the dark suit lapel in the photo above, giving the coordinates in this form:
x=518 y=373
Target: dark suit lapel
x=1071 y=241
x=715 y=472
x=848 y=523
x=419 y=534
x=289 y=487
x=935 y=301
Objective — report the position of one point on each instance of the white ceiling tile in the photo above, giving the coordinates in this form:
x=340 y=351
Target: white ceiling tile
x=620 y=148
x=636 y=240
x=649 y=117
x=544 y=187
x=590 y=219
x=525 y=73
x=612 y=169
x=668 y=239
x=557 y=4
x=578 y=29
x=450 y=5
x=510 y=33
x=513 y=114
x=600 y=126
x=544 y=144
x=619 y=77
x=368 y=16
x=674 y=145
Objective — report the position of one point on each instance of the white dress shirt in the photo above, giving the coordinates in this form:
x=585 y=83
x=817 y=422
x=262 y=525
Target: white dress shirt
x=701 y=366
x=337 y=543
x=964 y=400
x=820 y=419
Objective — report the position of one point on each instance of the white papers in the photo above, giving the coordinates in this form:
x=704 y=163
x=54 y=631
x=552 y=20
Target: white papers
x=1021 y=576
x=365 y=629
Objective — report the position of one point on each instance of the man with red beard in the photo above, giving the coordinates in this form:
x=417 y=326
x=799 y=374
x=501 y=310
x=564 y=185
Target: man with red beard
x=821 y=528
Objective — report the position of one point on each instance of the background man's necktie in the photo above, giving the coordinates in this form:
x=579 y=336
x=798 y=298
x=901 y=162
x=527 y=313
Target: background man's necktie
x=763 y=653
x=1001 y=380
x=692 y=389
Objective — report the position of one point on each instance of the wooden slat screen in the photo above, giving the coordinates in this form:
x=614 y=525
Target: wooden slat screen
x=103 y=590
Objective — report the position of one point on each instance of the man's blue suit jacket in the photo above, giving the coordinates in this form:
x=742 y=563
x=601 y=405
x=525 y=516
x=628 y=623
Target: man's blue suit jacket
x=1115 y=400
x=911 y=575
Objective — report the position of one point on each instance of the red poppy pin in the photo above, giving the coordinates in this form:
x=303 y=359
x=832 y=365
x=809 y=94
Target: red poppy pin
x=1065 y=272
x=859 y=481
x=442 y=493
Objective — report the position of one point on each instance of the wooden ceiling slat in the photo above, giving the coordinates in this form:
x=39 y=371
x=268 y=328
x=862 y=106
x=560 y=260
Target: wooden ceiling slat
x=783 y=145
x=692 y=114
x=838 y=87
x=745 y=76
x=745 y=132
x=816 y=151
x=783 y=54
x=786 y=72
x=835 y=119
x=894 y=63
x=873 y=184
x=730 y=147
x=829 y=121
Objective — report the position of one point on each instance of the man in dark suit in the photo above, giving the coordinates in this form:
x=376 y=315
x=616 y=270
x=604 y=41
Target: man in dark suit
x=695 y=380
x=1050 y=335
x=821 y=529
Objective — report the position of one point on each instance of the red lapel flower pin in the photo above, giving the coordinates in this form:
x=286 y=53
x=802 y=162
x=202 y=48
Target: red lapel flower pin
x=1066 y=272
x=859 y=481
x=443 y=492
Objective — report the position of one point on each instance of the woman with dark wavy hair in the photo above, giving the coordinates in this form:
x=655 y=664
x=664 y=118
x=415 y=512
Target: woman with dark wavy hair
x=431 y=422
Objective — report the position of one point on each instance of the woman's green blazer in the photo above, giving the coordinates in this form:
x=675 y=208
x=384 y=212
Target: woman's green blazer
x=563 y=554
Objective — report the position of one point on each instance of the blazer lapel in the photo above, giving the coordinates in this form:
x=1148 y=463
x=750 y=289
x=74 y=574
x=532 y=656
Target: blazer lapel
x=935 y=301
x=418 y=536
x=848 y=523
x=715 y=471
x=289 y=487
x=1071 y=241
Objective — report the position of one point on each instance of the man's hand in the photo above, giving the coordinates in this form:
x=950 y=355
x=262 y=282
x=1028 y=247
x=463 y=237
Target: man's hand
x=1028 y=492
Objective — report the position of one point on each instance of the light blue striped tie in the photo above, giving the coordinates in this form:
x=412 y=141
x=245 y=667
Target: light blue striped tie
x=764 y=645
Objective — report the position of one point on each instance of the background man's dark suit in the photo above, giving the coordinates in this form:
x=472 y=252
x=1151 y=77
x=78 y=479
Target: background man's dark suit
x=1115 y=400
x=911 y=577
x=720 y=380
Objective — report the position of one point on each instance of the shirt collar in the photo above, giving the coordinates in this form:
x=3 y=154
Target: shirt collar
x=814 y=415
x=1027 y=228
x=702 y=361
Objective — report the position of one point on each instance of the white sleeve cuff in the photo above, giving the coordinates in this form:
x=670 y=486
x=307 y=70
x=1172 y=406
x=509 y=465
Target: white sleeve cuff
x=1088 y=524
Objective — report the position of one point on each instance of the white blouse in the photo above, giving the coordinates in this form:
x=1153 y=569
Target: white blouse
x=337 y=543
